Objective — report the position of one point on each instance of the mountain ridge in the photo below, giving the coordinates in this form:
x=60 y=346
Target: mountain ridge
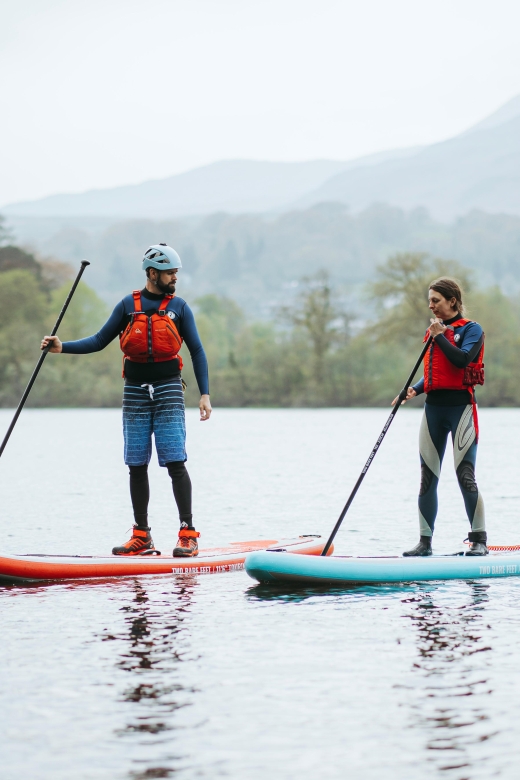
x=479 y=168
x=250 y=186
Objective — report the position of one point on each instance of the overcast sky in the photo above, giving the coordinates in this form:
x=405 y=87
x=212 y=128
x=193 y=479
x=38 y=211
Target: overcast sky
x=98 y=93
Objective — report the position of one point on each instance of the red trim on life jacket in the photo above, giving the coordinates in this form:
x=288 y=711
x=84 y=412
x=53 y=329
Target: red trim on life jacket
x=475 y=412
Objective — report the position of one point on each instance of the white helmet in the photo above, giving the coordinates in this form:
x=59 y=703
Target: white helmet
x=162 y=257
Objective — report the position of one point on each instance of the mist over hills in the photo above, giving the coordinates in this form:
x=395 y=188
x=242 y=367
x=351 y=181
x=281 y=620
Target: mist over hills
x=508 y=111
x=229 y=185
x=478 y=169
x=233 y=186
x=252 y=230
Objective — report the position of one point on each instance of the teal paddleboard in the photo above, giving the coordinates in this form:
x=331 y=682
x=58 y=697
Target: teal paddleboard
x=282 y=567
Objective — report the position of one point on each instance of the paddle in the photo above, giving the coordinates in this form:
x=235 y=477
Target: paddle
x=400 y=398
x=36 y=371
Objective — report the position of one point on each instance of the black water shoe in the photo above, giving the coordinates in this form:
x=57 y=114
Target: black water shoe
x=478 y=544
x=420 y=550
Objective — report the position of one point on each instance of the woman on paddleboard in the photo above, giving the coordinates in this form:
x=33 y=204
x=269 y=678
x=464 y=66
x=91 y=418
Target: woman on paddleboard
x=151 y=324
x=452 y=367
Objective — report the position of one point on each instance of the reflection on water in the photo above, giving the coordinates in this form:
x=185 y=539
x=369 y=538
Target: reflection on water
x=152 y=650
x=449 y=693
x=451 y=711
x=292 y=592
x=214 y=677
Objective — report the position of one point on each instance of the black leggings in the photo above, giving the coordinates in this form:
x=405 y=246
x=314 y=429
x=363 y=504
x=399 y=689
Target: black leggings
x=140 y=492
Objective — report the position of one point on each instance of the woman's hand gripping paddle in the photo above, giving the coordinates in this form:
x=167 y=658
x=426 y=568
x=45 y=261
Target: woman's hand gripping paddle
x=36 y=371
x=399 y=400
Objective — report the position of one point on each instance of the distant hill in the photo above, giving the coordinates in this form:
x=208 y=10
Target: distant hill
x=344 y=217
x=508 y=111
x=479 y=169
x=233 y=186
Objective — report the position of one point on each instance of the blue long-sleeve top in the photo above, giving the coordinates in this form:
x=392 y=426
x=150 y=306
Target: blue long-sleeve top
x=149 y=372
x=469 y=340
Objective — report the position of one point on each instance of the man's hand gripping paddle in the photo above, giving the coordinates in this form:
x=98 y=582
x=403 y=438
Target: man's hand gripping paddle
x=400 y=398
x=36 y=371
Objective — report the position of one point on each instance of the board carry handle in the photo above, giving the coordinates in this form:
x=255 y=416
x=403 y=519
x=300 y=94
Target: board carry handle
x=400 y=398
x=44 y=354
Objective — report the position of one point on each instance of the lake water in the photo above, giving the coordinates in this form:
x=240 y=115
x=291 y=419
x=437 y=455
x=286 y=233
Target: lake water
x=216 y=677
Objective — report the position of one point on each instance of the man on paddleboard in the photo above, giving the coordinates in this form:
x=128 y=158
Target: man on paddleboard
x=151 y=324
x=452 y=367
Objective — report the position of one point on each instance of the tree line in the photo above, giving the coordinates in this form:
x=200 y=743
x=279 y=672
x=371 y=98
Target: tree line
x=257 y=261
x=314 y=351
x=318 y=353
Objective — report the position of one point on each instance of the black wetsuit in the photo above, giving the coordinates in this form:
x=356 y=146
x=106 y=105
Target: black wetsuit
x=445 y=412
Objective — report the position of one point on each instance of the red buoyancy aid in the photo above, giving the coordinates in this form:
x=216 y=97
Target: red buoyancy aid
x=441 y=374
x=151 y=338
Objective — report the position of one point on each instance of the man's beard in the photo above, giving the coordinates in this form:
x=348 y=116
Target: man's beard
x=168 y=289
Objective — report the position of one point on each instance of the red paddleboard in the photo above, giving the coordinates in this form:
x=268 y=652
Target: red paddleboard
x=35 y=568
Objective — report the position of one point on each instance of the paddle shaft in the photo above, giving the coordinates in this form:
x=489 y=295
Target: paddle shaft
x=401 y=397
x=36 y=371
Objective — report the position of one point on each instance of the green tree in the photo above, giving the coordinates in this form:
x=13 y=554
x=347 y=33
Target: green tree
x=318 y=316
x=13 y=258
x=6 y=236
x=499 y=315
x=250 y=364
x=80 y=380
x=30 y=307
x=401 y=293
x=24 y=309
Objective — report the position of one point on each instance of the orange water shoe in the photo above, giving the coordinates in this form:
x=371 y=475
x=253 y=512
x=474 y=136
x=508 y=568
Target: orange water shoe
x=187 y=546
x=140 y=543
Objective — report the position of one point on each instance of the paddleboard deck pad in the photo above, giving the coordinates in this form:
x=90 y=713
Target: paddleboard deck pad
x=36 y=568
x=279 y=567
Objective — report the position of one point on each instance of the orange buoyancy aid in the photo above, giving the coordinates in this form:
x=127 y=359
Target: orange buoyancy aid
x=441 y=374
x=151 y=338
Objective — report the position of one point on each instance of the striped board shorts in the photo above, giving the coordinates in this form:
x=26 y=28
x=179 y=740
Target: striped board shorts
x=156 y=409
